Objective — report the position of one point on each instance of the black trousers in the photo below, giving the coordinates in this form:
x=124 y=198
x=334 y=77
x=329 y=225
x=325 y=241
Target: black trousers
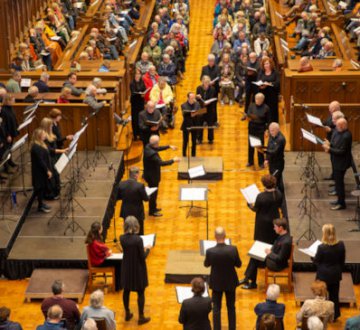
x=340 y=186
x=278 y=168
x=209 y=118
x=140 y=301
x=333 y=289
x=153 y=198
x=186 y=141
x=249 y=95
x=117 y=265
x=251 y=270
x=259 y=133
x=230 y=304
x=39 y=194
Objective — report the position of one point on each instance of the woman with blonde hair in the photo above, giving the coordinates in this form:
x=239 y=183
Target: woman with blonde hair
x=40 y=168
x=330 y=260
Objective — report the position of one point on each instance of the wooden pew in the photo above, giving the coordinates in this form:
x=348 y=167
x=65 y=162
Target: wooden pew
x=109 y=97
x=345 y=47
x=321 y=65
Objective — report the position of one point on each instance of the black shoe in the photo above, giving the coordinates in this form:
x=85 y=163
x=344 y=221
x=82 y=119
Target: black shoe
x=198 y=141
x=211 y=142
x=44 y=209
x=332 y=192
x=331 y=184
x=243 y=117
x=329 y=178
x=143 y=320
x=249 y=286
x=338 y=207
x=249 y=164
x=244 y=281
x=262 y=166
x=334 y=203
x=128 y=316
x=156 y=214
x=12 y=164
x=157 y=210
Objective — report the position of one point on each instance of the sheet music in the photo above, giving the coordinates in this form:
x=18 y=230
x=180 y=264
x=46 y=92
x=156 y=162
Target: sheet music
x=149 y=190
x=312 y=249
x=249 y=68
x=257 y=251
x=61 y=163
x=77 y=135
x=207 y=244
x=254 y=141
x=25 y=82
x=78 y=5
x=160 y=106
x=184 y=292
x=19 y=143
x=342 y=4
x=115 y=256
x=309 y=136
x=250 y=193
x=4 y=160
x=193 y=194
x=285 y=48
x=148 y=240
x=72 y=152
x=26 y=123
x=55 y=38
x=196 y=171
x=314 y=120
x=133 y=44
x=214 y=80
x=207 y=102
x=31 y=108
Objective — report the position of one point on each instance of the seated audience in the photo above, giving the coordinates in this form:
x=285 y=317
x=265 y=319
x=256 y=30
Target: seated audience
x=353 y=323
x=267 y=322
x=42 y=83
x=305 y=65
x=337 y=65
x=70 y=310
x=96 y=82
x=13 y=84
x=89 y=324
x=98 y=310
x=53 y=321
x=33 y=92
x=144 y=64
x=70 y=82
x=105 y=67
x=5 y=323
x=314 y=323
x=261 y=43
x=64 y=95
x=90 y=99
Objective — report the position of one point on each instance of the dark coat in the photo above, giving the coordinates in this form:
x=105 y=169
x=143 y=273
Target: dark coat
x=223 y=259
x=189 y=121
x=267 y=205
x=59 y=138
x=213 y=72
x=194 y=313
x=40 y=164
x=29 y=99
x=133 y=270
x=269 y=307
x=10 y=121
x=9 y=325
x=330 y=261
x=42 y=86
x=137 y=100
x=340 y=150
x=168 y=70
x=152 y=164
x=280 y=253
x=132 y=194
x=207 y=94
x=275 y=151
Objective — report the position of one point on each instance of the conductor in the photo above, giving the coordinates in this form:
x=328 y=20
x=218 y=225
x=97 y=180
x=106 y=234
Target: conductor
x=132 y=193
x=223 y=278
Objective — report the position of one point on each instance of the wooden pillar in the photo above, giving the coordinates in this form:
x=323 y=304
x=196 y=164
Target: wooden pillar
x=4 y=36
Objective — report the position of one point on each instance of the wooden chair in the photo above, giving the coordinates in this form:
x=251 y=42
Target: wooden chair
x=95 y=271
x=285 y=273
x=100 y=323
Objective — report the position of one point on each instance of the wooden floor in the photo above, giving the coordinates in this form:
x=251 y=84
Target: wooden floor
x=174 y=231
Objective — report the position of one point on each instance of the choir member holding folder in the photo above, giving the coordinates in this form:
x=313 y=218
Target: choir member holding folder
x=138 y=89
x=149 y=122
x=134 y=272
x=266 y=206
x=276 y=257
x=132 y=193
x=99 y=253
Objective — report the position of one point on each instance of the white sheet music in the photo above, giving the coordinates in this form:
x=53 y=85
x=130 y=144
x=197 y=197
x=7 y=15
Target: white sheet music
x=184 y=292
x=77 y=135
x=354 y=64
x=196 y=171
x=312 y=249
x=25 y=82
x=78 y=5
x=133 y=44
x=314 y=120
x=250 y=193
x=25 y=123
x=309 y=136
x=207 y=244
x=148 y=240
x=193 y=194
x=257 y=251
x=31 y=108
x=72 y=152
x=19 y=143
x=214 y=80
x=61 y=163
x=254 y=141
x=150 y=191
x=116 y=256
x=160 y=106
x=207 y=102
x=55 y=38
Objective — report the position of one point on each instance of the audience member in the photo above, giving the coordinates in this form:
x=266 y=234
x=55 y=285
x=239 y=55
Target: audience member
x=33 y=93
x=267 y=322
x=5 y=323
x=13 y=84
x=89 y=324
x=42 y=83
x=314 y=323
x=70 y=82
x=54 y=319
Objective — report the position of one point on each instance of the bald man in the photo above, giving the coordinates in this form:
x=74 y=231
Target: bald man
x=147 y=120
x=223 y=277
x=152 y=169
x=339 y=149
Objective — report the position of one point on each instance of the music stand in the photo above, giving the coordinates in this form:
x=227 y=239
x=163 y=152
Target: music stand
x=192 y=193
x=98 y=153
x=19 y=144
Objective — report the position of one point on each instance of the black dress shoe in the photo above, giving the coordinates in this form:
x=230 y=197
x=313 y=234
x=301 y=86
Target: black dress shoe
x=143 y=320
x=338 y=207
x=157 y=210
x=334 y=203
x=211 y=142
x=249 y=164
x=249 y=286
x=329 y=178
x=244 y=281
x=332 y=192
x=128 y=316
x=156 y=214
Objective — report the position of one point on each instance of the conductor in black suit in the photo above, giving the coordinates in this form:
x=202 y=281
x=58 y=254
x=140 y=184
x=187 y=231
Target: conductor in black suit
x=194 y=313
x=276 y=259
x=223 y=278
x=339 y=149
x=132 y=194
x=330 y=261
x=152 y=169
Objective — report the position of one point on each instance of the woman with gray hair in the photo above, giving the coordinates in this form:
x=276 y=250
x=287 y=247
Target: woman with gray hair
x=133 y=272
x=98 y=310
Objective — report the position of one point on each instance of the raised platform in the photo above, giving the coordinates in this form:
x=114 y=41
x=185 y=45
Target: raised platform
x=182 y=266
x=214 y=167
x=75 y=282
x=302 y=288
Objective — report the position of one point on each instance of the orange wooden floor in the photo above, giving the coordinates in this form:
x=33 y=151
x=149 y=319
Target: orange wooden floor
x=174 y=231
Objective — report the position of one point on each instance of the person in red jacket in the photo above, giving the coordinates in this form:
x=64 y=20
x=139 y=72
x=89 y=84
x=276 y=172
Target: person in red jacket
x=99 y=252
x=150 y=78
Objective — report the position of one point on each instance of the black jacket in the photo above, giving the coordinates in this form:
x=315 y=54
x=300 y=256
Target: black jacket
x=213 y=72
x=275 y=149
x=340 y=150
x=29 y=99
x=330 y=260
x=281 y=251
x=42 y=86
x=9 y=121
x=152 y=164
x=194 y=313
x=40 y=164
x=223 y=259
x=189 y=121
x=132 y=194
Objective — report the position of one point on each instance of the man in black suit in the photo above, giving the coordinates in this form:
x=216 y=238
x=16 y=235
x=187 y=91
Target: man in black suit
x=276 y=258
x=150 y=114
x=194 y=313
x=275 y=153
x=152 y=169
x=339 y=149
x=132 y=194
x=223 y=278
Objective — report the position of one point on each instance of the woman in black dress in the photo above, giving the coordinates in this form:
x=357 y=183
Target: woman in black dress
x=53 y=190
x=10 y=126
x=133 y=271
x=271 y=89
x=56 y=116
x=206 y=92
x=137 y=87
x=267 y=206
x=330 y=261
x=40 y=168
